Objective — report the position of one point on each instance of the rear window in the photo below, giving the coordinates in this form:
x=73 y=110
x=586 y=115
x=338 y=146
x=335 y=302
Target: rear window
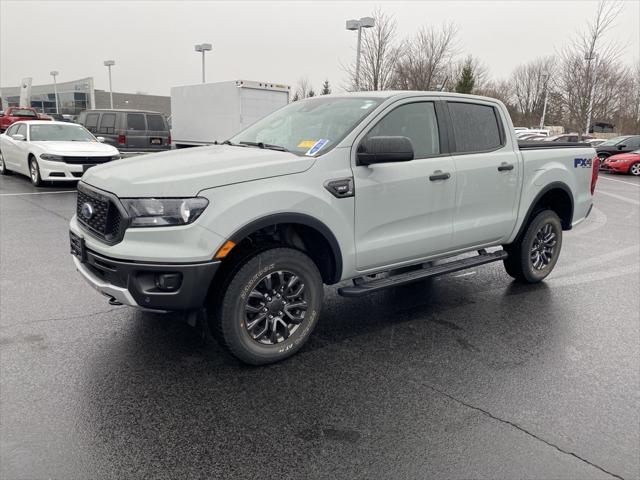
x=135 y=121
x=155 y=122
x=107 y=123
x=23 y=112
x=91 y=123
x=475 y=127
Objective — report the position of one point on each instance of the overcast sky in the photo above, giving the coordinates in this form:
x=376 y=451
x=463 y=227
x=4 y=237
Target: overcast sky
x=152 y=41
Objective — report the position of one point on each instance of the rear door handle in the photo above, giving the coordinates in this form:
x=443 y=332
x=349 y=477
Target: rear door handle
x=504 y=166
x=439 y=175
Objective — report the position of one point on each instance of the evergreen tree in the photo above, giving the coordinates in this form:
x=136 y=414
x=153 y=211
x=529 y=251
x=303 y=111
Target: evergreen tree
x=295 y=98
x=467 y=80
x=311 y=93
x=326 y=89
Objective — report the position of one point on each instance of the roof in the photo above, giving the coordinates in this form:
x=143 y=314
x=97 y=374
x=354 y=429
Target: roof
x=43 y=122
x=125 y=110
x=408 y=93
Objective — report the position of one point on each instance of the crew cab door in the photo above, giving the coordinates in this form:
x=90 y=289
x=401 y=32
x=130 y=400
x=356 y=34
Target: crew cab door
x=488 y=173
x=400 y=214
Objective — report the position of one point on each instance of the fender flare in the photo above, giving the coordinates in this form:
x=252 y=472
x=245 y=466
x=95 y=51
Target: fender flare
x=295 y=218
x=551 y=186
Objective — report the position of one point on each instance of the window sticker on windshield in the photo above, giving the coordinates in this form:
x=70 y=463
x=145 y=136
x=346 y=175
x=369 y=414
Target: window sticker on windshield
x=307 y=143
x=316 y=147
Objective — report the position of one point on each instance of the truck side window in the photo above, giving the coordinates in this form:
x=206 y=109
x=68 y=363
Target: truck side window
x=107 y=123
x=135 y=121
x=418 y=122
x=92 y=122
x=475 y=127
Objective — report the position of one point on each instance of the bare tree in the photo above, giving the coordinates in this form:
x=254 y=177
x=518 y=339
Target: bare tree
x=424 y=60
x=303 y=88
x=589 y=64
x=378 y=55
x=529 y=83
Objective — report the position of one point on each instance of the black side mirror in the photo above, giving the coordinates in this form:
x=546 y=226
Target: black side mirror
x=384 y=149
x=620 y=147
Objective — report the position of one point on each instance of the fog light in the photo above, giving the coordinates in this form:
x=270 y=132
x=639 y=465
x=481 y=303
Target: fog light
x=168 y=282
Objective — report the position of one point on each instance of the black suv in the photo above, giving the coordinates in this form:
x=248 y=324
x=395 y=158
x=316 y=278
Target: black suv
x=623 y=144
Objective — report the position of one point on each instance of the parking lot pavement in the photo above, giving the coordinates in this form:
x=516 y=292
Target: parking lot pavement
x=465 y=376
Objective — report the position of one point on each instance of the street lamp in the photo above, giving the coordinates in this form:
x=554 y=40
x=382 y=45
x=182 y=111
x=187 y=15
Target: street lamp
x=364 y=22
x=545 y=79
x=54 y=74
x=203 y=47
x=589 y=57
x=109 y=64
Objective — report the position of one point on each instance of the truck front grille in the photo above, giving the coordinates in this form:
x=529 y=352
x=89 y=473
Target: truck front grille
x=99 y=214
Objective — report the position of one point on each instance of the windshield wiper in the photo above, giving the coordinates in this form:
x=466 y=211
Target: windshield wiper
x=229 y=142
x=265 y=145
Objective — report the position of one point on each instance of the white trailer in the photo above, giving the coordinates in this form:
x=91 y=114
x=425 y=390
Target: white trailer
x=209 y=112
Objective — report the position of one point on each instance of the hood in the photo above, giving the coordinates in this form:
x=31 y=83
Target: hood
x=185 y=172
x=624 y=156
x=76 y=148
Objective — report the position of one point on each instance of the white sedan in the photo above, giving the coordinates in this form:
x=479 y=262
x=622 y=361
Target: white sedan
x=51 y=151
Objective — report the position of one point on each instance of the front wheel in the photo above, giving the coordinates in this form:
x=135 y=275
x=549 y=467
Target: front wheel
x=3 y=167
x=34 y=173
x=533 y=257
x=635 y=169
x=270 y=306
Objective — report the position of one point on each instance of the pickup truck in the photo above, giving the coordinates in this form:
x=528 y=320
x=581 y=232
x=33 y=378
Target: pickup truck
x=368 y=190
x=17 y=114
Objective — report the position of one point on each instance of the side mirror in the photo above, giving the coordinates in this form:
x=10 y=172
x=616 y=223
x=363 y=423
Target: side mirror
x=100 y=139
x=18 y=137
x=384 y=149
x=620 y=147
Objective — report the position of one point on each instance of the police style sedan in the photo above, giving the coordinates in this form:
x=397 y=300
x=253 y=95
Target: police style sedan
x=51 y=151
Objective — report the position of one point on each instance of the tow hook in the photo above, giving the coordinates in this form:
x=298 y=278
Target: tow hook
x=113 y=301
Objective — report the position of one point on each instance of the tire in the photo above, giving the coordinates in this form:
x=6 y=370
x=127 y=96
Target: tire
x=635 y=169
x=534 y=256
x=34 y=172
x=248 y=293
x=3 y=168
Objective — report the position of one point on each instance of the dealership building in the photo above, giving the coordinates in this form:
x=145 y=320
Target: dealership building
x=78 y=95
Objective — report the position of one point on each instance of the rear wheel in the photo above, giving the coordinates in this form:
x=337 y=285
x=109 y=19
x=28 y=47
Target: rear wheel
x=534 y=256
x=270 y=306
x=3 y=168
x=635 y=169
x=34 y=172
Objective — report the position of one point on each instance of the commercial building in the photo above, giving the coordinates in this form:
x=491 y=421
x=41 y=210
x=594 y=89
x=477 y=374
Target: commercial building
x=78 y=95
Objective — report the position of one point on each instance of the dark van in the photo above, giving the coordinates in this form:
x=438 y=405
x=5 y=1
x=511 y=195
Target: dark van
x=129 y=130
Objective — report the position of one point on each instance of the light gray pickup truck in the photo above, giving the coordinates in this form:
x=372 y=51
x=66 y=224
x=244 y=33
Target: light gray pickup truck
x=380 y=188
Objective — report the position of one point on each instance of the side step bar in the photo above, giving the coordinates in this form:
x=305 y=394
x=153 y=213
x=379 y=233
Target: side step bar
x=364 y=288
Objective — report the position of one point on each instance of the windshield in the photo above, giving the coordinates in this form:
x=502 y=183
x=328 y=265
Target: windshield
x=613 y=141
x=60 y=133
x=308 y=127
x=23 y=113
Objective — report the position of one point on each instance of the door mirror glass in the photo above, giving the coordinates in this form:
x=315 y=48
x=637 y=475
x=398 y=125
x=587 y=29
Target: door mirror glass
x=384 y=149
x=18 y=137
x=100 y=139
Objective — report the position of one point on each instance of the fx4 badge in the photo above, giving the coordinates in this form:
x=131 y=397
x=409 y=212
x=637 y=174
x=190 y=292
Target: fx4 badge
x=582 y=162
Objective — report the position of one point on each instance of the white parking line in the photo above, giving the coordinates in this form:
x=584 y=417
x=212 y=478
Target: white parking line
x=600 y=177
x=35 y=193
x=620 y=197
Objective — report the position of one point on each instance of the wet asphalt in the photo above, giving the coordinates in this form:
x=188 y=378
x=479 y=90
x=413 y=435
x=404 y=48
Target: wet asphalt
x=465 y=376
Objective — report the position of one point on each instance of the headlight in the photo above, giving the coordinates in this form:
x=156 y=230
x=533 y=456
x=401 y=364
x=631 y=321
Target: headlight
x=52 y=158
x=164 y=212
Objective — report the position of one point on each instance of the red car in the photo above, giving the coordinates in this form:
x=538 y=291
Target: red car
x=18 y=114
x=623 y=163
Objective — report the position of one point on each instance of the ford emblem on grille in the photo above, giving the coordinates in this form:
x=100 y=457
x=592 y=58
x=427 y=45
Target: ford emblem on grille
x=87 y=210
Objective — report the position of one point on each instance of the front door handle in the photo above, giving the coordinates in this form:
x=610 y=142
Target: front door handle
x=504 y=166
x=439 y=175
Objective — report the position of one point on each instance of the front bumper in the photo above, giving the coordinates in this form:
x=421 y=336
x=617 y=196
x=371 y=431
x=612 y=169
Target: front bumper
x=617 y=167
x=134 y=283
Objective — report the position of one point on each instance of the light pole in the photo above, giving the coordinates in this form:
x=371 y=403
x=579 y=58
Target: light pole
x=54 y=74
x=589 y=57
x=545 y=79
x=364 y=22
x=109 y=64
x=203 y=47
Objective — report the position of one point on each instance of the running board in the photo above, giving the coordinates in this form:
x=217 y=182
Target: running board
x=365 y=288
